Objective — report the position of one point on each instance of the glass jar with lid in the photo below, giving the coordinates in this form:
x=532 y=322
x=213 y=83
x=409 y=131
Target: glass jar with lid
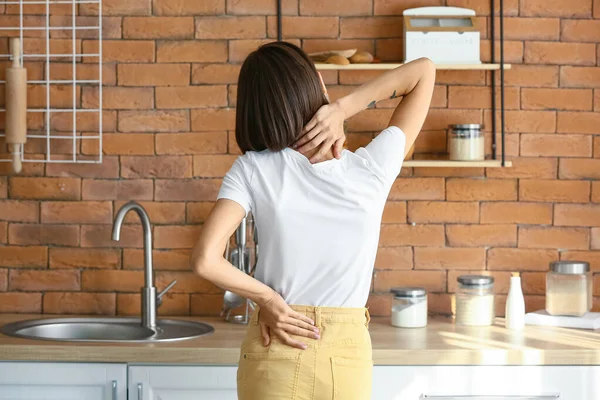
x=409 y=307
x=466 y=142
x=569 y=288
x=475 y=300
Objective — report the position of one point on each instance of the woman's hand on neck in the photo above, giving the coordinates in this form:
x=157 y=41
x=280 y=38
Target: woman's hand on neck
x=326 y=128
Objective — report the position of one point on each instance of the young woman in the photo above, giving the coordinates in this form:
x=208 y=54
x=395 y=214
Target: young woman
x=318 y=212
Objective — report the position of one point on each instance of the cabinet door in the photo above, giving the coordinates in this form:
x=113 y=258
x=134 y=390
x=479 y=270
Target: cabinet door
x=62 y=381
x=481 y=382
x=182 y=383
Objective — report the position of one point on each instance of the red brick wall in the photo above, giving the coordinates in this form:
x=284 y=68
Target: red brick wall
x=169 y=97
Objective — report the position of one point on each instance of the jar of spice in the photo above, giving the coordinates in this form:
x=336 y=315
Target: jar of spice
x=569 y=288
x=466 y=142
x=475 y=300
x=409 y=307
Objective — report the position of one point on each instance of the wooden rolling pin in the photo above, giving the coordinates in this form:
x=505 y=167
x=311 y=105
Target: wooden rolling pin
x=16 y=105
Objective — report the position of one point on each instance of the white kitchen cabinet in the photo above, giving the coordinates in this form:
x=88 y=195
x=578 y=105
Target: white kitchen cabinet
x=87 y=381
x=480 y=382
x=62 y=381
x=182 y=383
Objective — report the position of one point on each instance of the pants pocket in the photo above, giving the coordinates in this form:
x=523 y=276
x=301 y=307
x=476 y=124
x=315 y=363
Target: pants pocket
x=351 y=378
x=268 y=376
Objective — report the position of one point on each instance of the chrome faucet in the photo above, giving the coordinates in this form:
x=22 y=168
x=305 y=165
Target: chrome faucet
x=150 y=300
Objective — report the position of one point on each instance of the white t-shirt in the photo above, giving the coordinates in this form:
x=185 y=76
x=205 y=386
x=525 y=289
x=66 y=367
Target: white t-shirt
x=318 y=224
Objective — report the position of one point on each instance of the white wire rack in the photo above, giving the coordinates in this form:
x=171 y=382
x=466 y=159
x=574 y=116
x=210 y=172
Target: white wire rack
x=62 y=128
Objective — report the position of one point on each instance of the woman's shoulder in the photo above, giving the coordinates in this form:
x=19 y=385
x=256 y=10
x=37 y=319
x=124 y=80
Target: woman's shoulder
x=248 y=158
x=251 y=159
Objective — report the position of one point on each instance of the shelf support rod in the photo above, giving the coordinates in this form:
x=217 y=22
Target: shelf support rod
x=493 y=75
x=502 y=81
x=279 y=22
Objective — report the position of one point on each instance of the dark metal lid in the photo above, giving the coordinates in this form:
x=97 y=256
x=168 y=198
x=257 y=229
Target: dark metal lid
x=466 y=126
x=475 y=280
x=570 y=267
x=409 y=292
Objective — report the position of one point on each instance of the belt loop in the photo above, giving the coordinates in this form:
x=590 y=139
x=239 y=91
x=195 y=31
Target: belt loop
x=318 y=317
x=368 y=316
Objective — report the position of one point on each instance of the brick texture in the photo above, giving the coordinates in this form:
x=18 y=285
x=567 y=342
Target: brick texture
x=158 y=27
x=172 y=259
x=43 y=234
x=561 y=99
x=449 y=258
x=191 y=51
x=336 y=7
x=230 y=27
x=45 y=188
x=440 y=212
x=394 y=258
x=572 y=76
x=170 y=89
x=528 y=259
x=560 y=53
x=260 y=7
x=34 y=280
x=300 y=27
x=156 y=167
x=549 y=145
x=79 y=303
x=554 y=238
x=554 y=191
x=556 y=8
x=84 y=258
x=481 y=235
x=188 y=7
x=464 y=189
x=516 y=213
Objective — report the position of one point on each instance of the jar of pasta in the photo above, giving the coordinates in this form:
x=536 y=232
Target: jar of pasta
x=466 y=142
x=569 y=288
x=475 y=300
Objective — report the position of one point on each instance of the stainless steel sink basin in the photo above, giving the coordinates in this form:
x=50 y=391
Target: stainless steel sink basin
x=106 y=330
x=147 y=329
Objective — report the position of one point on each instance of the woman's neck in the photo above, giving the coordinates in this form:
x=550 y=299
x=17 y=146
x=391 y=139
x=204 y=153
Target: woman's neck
x=310 y=153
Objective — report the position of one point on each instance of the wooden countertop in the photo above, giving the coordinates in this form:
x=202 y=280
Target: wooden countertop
x=441 y=343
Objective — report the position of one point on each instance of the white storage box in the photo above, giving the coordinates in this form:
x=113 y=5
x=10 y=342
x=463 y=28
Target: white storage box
x=446 y=35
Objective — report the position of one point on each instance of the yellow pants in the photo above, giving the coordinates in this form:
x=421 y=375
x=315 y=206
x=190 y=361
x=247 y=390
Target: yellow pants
x=338 y=366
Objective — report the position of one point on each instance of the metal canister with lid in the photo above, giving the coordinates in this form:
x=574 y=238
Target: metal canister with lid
x=475 y=300
x=466 y=142
x=569 y=288
x=409 y=307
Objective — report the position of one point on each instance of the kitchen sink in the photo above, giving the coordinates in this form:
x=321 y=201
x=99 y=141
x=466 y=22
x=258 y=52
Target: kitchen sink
x=125 y=330
x=146 y=329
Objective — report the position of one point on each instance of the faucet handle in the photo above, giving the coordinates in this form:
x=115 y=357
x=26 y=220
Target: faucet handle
x=163 y=292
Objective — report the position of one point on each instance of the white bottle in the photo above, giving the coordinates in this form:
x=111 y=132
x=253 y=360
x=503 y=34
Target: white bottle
x=515 y=304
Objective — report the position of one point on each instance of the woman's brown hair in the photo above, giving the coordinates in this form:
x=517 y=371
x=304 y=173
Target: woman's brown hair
x=279 y=91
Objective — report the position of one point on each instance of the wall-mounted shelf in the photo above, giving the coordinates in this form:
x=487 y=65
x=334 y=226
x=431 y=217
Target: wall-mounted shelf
x=379 y=66
x=456 y=164
x=497 y=66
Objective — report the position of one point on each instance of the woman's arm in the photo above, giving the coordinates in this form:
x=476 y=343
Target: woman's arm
x=413 y=82
x=207 y=261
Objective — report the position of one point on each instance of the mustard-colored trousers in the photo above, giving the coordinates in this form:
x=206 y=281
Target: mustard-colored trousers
x=338 y=366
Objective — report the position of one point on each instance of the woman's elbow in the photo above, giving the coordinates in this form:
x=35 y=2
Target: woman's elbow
x=429 y=67
x=199 y=262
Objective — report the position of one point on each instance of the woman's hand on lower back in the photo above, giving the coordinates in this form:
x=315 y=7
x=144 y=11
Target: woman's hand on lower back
x=326 y=131
x=278 y=318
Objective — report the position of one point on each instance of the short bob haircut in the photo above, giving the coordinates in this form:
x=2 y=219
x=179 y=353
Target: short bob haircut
x=279 y=91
